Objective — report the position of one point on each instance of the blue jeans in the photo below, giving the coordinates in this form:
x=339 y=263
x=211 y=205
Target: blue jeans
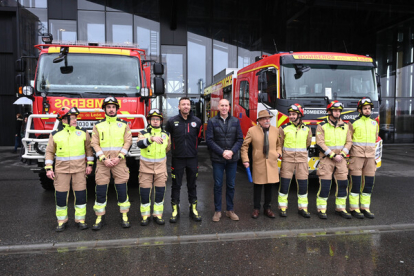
x=218 y=172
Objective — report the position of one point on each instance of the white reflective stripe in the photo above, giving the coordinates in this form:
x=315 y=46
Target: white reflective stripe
x=323 y=198
x=335 y=147
x=90 y=158
x=303 y=205
x=342 y=197
x=123 y=207
x=295 y=149
x=345 y=150
x=99 y=153
x=100 y=204
x=355 y=206
x=340 y=206
x=283 y=204
x=145 y=142
x=366 y=194
x=363 y=144
x=80 y=217
x=327 y=152
x=124 y=151
x=282 y=195
x=80 y=206
x=70 y=158
x=61 y=218
x=321 y=206
x=49 y=162
x=365 y=206
x=152 y=160
x=111 y=148
x=303 y=196
x=354 y=194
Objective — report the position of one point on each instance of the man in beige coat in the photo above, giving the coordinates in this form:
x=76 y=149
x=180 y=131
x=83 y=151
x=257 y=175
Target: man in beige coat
x=266 y=149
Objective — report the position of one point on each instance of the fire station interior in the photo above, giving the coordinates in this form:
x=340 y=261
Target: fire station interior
x=195 y=40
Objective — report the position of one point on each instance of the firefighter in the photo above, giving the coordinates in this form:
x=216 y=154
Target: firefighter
x=69 y=144
x=185 y=130
x=362 y=165
x=154 y=143
x=296 y=138
x=111 y=140
x=334 y=141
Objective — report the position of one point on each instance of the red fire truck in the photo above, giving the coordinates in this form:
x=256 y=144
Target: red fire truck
x=82 y=76
x=312 y=79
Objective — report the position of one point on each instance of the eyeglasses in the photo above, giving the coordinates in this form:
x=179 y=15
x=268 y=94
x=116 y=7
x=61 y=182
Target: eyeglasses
x=155 y=119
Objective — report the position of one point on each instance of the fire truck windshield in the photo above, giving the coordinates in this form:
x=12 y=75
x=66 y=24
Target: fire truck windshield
x=95 y=73
x=337 y=82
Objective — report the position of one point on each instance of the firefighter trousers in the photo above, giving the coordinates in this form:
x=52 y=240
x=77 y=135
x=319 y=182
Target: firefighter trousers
x=62 y=187
x=301 y=175
x=326 y=168
x=362 y=171
x=120 y=174
x=146 y=181
x=178 y=165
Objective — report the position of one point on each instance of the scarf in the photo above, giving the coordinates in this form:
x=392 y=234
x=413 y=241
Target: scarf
x=266 y=142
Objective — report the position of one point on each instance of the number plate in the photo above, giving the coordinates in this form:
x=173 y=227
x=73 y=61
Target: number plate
x=86 y=124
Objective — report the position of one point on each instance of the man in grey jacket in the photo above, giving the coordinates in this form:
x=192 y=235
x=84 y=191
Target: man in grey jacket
x=224 y=139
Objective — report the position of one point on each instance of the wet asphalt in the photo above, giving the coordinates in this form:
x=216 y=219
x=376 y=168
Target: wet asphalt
x=289 y=246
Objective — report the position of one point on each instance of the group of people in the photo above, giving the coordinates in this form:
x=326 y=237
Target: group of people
x=111 y=139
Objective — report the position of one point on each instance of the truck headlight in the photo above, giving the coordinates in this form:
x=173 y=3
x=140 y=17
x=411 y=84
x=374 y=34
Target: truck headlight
x=40 y=148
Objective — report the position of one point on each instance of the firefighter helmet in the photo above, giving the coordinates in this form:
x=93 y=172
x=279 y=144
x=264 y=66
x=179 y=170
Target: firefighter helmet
x=110 y=100
x=335 y=105
x=66 y=111
x=365 y=101
x=154 y=113
x=296 y=108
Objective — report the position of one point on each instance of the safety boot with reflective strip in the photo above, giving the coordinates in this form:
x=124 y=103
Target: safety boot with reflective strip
x=61 y=226
x=99 y=223
x=124 y=220
x=193 y=211
x=175 y=212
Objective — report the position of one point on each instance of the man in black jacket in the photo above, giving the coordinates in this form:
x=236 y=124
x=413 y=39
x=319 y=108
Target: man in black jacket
x=185 y=130
x=224 y=139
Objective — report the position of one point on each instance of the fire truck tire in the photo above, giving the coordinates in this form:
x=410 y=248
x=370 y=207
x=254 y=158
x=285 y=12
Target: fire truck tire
x=46 y=183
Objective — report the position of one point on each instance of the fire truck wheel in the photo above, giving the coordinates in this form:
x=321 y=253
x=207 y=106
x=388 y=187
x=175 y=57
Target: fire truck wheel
x=47 y=183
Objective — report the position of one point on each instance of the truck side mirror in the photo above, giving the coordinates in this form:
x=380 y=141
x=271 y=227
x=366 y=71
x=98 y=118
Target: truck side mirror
x=159 y=87
x=158 y=68
x=20 y=65
x=262 y=97
x=262 y=81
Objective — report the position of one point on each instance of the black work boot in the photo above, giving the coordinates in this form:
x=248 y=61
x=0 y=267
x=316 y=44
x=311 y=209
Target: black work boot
x=367 y=213
x=61 y=226
x=124 y=220
x=145 y=221
x=357 y=213
x=82 y=225
x=175 y=212
x=99 y=223
x=193 y=212
x=304 y=213
x=158 y=220
x=343 y=214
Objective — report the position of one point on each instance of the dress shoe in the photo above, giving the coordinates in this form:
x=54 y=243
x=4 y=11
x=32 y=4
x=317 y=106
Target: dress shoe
x=232 y=215
x=217 y=216
x=304 y=213
x=367 y=213
x=268 y=213
x=357 y=214
x=255 y=213
x=343 y=214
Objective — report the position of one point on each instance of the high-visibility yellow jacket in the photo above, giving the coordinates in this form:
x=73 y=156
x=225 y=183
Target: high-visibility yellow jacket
x=153 y=155
x=110 y=137
x=69 y=144
x=333 y=139
x=364 y=133
x=295 y=141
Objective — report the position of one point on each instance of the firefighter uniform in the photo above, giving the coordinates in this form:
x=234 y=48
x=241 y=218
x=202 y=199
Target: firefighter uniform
x=153 y=171
x=111 y=138
x=295 y=140
x=332 y=139
x=362 y=165
x=69 y=145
